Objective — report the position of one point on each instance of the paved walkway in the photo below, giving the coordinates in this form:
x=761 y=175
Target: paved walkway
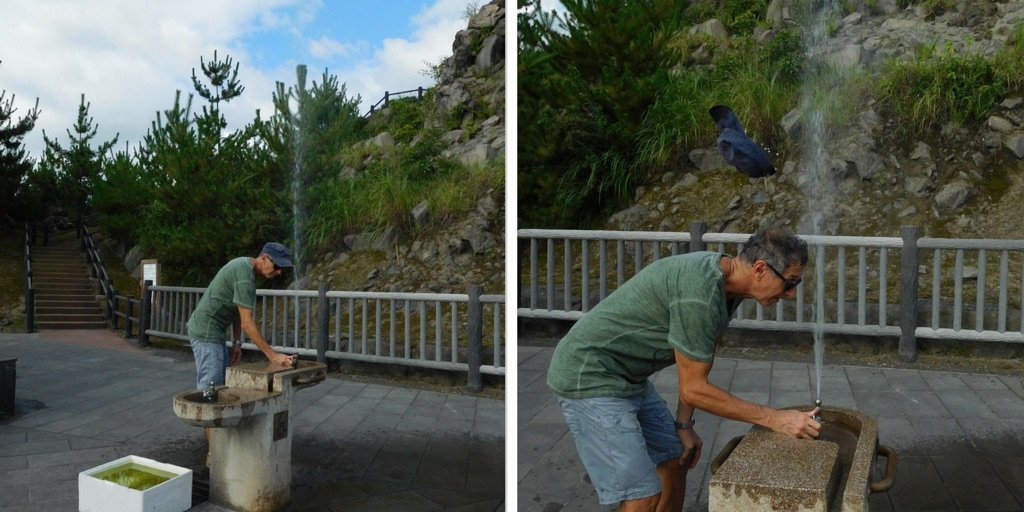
x=959 y=437
x=87 y=399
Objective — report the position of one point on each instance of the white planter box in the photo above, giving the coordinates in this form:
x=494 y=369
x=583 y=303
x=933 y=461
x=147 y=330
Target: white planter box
x=173 y=495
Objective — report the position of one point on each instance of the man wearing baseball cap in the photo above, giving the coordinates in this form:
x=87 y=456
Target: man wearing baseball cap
x=230 y=300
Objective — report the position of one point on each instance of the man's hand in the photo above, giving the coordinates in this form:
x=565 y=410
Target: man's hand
x=692 y=445
x=798 y=424
x=282 y=359
x=236 y=354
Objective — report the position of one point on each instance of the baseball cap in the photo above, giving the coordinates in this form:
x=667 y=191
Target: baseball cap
x=279 y=254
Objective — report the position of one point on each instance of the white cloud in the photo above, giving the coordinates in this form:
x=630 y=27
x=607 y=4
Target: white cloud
x=327 y=48
x=129 y=57
x=399 y=64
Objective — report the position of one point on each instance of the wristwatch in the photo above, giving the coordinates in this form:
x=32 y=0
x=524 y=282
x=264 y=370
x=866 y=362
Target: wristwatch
x=686 y=426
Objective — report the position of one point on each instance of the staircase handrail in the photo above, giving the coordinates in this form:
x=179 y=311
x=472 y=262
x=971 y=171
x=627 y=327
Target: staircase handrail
x=388 y=96
x=105 y=286
x=30 y=306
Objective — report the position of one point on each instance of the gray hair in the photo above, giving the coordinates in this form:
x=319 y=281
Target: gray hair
x=778 y=247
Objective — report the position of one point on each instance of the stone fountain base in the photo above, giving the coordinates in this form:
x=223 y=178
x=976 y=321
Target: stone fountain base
x=766 y=471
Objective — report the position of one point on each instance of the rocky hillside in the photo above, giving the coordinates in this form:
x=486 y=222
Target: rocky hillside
x=959 y=181
x=470 y=250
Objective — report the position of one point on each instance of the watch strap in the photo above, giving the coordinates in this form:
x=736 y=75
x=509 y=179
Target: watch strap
x=686 y=426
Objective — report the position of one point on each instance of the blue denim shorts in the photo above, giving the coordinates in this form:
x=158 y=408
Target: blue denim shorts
x=211 y=362
x=621 y=441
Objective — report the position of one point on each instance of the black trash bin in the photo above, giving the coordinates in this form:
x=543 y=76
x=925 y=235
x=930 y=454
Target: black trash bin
x=7 y=379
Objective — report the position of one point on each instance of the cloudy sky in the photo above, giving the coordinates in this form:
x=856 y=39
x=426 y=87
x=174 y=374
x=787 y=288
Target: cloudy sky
x=129 y=57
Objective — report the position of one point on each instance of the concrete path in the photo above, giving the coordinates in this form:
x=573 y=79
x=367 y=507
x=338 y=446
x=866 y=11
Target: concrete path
x=959 y=437
x=88 y=398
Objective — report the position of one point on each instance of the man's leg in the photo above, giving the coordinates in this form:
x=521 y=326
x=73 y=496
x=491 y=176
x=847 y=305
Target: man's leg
x=612 y=447
x=664 y=448
x=673 y=486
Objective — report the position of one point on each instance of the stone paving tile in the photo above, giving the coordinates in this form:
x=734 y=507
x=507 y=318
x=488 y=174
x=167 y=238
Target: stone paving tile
x=867 y=379
x=905 y=380
x=1003 y=402
x=965 y=403
x=973 y=484
x=992 y=437
x=790 y=380
x=925 y=492
x=983 y=382
x=1010 y=471
x=752 y=379
x=944 y=381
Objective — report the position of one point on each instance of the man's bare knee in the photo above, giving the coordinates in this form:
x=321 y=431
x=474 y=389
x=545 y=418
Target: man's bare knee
x=648 y=504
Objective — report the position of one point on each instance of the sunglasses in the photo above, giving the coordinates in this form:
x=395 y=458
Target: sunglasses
x=787 y=284
x=277 y=268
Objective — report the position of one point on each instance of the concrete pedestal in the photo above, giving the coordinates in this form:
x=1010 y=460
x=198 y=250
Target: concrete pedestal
x=250 y=466
x=250 y=439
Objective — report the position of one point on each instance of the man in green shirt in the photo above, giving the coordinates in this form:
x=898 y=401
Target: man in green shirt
x=674 y=311
x=230 y=300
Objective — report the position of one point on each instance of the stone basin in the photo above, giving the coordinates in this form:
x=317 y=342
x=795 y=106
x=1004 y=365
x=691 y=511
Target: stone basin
x=234 y=406
x=765 y=471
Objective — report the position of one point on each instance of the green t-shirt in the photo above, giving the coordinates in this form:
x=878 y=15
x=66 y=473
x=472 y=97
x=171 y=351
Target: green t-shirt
x=674 y=304
x=233 y=286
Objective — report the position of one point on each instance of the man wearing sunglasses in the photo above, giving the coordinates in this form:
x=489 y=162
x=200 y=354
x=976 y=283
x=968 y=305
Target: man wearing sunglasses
x=636 y=451
x=229 y=300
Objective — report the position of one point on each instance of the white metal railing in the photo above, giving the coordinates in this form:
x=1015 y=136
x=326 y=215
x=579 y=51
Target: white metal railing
x=861 y=285
x=429 y=330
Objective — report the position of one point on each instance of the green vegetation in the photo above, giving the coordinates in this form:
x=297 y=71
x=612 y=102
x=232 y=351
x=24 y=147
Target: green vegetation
x=397 y=178
x=934 y=89
x=607 y=100
x=613 y=95
x=194 y=195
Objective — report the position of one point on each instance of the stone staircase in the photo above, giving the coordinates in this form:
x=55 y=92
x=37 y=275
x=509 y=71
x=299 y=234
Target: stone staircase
x=65 y=296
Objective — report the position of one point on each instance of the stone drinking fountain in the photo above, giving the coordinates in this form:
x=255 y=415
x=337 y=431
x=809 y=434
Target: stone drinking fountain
x=251 y=435
x=764 y=470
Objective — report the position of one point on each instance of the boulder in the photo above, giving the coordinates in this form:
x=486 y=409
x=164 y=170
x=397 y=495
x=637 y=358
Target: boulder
x=791 y=124
x=1015 y=143
x=491 y=53
x=953 y=196
x=133 y=258
x=918 y=186
x=419 y=214
x=714 y=28
x=707 y=159
x=382 y=140
x=999 y=124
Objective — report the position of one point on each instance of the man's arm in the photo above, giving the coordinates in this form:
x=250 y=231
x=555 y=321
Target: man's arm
x=696 y=391
x=253 y=332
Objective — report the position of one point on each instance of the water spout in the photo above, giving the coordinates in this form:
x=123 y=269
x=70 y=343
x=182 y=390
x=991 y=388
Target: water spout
x=817 y=96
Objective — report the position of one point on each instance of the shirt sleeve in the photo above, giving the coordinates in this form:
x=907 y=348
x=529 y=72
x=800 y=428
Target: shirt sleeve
x=693 y=328
x=245 y=294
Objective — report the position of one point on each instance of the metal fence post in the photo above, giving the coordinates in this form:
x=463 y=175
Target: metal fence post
x=128 y=318
x=112 y=308
x=323 y=324
x=908 y=292
x=30 y=309
x=476 y=345
x=147 y=301
x=697 y=230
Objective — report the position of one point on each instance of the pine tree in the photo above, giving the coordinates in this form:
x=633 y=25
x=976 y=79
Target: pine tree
x=14 y=162
x=79 y=166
